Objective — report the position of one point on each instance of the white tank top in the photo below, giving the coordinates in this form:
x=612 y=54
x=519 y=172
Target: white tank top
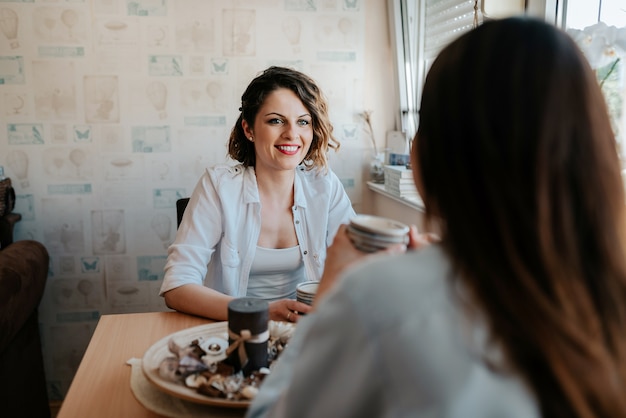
x=275 y=273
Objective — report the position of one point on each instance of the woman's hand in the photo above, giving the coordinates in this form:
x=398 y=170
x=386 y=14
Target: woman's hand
x=417 y=240
x=288 y=310
x=341 y=255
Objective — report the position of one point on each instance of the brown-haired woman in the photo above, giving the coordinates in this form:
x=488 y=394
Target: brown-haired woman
x=520 y=309
x=260 y=227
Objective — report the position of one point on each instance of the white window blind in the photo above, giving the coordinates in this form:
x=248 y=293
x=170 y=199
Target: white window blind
x=444 y=21
x=421 y=29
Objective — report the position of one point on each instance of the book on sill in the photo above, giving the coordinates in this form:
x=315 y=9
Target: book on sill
x=398 y=181
x=403 y=189
x=399 y=187
x=407 y=195
x=398 y=171
x=404 y=194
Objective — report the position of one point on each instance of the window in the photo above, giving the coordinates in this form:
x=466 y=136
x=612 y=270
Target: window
x=582 y=13
x=421 y=28
x=599 y=27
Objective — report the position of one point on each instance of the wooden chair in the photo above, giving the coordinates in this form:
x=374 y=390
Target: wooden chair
x=181 y=205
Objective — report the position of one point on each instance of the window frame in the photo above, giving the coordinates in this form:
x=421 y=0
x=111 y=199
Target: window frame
x=407 y=23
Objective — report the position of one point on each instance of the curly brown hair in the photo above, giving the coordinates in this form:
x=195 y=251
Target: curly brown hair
x=274 y=78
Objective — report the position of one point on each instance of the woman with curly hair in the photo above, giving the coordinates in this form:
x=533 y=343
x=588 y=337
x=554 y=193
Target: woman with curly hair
x=260 y=227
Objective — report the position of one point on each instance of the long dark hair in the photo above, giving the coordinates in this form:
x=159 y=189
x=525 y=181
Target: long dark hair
x=518 y=167
x=273 y=78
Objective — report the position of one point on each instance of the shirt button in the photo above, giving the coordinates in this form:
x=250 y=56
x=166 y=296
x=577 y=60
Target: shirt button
x=305 y=252
x=297 y=222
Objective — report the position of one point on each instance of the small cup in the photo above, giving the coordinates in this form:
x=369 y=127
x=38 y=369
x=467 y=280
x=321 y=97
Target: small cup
x=305 y=292
x=371 y=233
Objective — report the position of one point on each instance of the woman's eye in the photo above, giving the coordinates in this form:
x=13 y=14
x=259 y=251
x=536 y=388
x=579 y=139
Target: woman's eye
x=275 y=121
x=303 y=122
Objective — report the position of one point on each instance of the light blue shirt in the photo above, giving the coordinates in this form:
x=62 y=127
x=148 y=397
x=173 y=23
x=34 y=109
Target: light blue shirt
x=216 y=241
x=392 y=339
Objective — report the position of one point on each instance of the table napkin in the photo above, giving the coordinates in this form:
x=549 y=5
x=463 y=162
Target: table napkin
x=170 y=406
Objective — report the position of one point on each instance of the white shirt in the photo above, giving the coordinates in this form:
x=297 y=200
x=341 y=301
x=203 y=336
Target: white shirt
x=216 y=240
x=392 y=340
x=275 y=273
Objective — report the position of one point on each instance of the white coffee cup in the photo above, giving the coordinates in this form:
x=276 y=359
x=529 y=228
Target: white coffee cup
x=370 y=233
x=305 y=292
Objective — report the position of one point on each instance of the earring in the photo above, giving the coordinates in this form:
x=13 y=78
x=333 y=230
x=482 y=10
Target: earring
x=251 y=139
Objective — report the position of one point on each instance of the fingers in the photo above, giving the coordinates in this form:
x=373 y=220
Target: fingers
x=290 y=310
x=395 y=249
x=301 y=308
x=413 y=233
x=293 y=316
x=432 y=237
x=297 y=309
x=417 y=240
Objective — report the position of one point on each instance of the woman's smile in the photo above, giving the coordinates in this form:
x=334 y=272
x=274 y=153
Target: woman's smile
x=288 y=149
x=282 y=131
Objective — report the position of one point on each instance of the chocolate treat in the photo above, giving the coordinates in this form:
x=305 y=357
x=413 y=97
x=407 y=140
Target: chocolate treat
x=255 y=379
x=219 y=368
x=196 y=350
x=209 y=390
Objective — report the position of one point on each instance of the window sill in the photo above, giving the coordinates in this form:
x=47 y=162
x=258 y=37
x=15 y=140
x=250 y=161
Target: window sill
x=414 y=203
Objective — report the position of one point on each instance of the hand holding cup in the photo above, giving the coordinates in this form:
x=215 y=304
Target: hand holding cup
x=345 y=252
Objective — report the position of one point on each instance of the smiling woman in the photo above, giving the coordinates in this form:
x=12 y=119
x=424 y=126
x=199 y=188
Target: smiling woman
x=281 y=133
x=313 y=101
x=260 y=227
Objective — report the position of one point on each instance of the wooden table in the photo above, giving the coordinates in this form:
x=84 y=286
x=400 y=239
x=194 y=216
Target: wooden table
x=101 y=386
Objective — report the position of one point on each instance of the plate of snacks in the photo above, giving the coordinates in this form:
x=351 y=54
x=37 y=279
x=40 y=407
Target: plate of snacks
x=189 y=364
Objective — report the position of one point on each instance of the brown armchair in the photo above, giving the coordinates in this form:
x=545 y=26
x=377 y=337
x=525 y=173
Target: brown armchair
x=23 y=274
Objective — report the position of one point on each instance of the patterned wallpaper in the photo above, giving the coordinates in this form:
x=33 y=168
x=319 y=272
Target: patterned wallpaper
x=111 y=109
